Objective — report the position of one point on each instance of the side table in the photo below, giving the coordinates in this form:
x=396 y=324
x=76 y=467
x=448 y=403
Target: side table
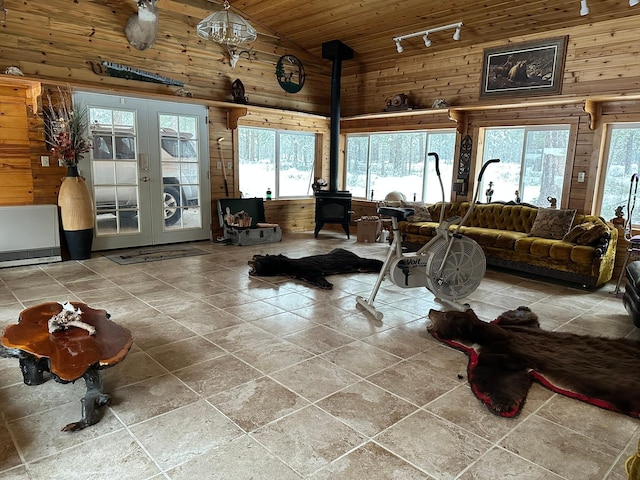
x=68 y=354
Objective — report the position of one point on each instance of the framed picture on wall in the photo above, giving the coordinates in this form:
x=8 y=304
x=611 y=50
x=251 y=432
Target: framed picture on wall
x=525 y=69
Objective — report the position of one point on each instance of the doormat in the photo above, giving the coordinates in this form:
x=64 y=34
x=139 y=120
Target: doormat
x=153 y=254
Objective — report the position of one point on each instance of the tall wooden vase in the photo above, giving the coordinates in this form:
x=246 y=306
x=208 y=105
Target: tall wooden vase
x=76 y=212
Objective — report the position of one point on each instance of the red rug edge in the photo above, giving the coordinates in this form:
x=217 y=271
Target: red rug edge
x=536 y=376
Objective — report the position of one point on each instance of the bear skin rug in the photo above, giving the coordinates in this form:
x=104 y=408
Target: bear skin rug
x=314 y=268
x=508 y=354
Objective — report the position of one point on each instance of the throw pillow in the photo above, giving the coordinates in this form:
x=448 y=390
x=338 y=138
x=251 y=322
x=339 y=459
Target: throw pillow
x=421 y=212
x=592 y=235
x=575 y=232
x=551 y=223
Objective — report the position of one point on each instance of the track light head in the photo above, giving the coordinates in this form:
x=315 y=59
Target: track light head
x=399 y=47
x=427 y=42
x=456 y=34
x=584 y=8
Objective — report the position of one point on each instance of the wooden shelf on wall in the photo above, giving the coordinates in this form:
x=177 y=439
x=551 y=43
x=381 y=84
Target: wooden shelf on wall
x=236 y=110
x=592 y=105
x=34 y=88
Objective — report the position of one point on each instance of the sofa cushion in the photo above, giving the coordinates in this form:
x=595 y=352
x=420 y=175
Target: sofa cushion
x=514 y=218
x=490 y=237
x=551 y=223
x=561 y=251
x=583 y=254
x=450 y=210
x=541 y=247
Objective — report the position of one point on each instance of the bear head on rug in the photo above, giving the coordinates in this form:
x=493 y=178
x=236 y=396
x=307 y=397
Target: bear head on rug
x=506 y=355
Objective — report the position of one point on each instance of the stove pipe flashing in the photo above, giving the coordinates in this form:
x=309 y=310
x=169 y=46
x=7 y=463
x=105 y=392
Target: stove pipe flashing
x=336 y=51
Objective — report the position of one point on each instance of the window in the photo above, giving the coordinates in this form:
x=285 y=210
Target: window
x=380 y=163
x=533 y=162
x=622 y=157
x=279 y=160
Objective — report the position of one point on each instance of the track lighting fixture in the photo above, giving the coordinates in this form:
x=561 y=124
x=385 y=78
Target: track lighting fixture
x=584 y=8
x=425 y=35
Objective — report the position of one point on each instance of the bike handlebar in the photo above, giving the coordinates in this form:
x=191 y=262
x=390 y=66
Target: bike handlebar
x=479 y=181
x=484 y=167
x=435 y=155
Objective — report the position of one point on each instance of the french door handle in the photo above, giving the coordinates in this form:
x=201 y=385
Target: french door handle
x=145 y=179
x=143 y=162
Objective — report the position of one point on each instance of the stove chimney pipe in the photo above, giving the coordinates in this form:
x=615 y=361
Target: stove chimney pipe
x=337 y=51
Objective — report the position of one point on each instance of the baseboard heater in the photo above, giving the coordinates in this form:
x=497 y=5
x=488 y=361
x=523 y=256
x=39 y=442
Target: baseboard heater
x=30 y=235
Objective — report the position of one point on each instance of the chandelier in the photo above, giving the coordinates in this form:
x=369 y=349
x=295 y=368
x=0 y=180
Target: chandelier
x=227 y=28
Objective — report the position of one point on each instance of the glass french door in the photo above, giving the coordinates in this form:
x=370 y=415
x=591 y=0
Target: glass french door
x=147 y=171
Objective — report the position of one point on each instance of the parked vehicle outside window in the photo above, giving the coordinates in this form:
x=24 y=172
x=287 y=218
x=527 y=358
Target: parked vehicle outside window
x=115 y=172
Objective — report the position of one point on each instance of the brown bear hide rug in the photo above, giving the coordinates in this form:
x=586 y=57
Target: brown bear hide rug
x=508 y=354
x=314 y=268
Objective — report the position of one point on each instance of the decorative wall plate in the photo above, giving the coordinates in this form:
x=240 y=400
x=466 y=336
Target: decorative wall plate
x=290 y=73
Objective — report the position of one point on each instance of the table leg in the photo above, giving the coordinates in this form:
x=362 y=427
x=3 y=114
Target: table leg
x=93 y=399
x=33 y=368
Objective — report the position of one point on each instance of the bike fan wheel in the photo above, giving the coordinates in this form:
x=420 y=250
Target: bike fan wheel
x=462 y=271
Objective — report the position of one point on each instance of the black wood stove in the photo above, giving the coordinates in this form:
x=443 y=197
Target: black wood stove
x=333 y=205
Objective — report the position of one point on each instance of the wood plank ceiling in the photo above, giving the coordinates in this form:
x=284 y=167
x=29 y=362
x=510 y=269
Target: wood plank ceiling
x=368 y=26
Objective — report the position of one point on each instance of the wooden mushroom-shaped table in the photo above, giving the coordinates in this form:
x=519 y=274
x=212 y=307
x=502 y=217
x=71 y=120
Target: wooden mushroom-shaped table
x=68 y=354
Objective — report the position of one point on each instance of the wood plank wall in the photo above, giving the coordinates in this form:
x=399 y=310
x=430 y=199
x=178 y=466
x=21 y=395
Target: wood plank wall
x=16 y=184
x=601 y=59
x=58 y=41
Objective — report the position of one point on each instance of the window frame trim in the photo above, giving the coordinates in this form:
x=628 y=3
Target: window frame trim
x=427 y=132
x=277 y=132
x=571 y=122
x=603 y=163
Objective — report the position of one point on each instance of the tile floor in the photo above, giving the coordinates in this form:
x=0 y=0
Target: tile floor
x=236 y=377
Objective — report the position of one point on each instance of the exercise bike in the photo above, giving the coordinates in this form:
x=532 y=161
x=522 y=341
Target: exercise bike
x=450 y=265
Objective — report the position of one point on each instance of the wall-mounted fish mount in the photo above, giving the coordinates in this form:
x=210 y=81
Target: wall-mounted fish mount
x=111 y=69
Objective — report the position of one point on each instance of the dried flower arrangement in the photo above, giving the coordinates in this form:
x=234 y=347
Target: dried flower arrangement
x=65 y=129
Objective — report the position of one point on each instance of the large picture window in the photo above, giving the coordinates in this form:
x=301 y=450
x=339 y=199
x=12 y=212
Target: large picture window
x=279 y=160
x=380 y=163
x=622 y=160
x=533 y=163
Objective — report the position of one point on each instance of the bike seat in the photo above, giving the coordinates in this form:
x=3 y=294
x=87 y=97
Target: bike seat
x=396 y=212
